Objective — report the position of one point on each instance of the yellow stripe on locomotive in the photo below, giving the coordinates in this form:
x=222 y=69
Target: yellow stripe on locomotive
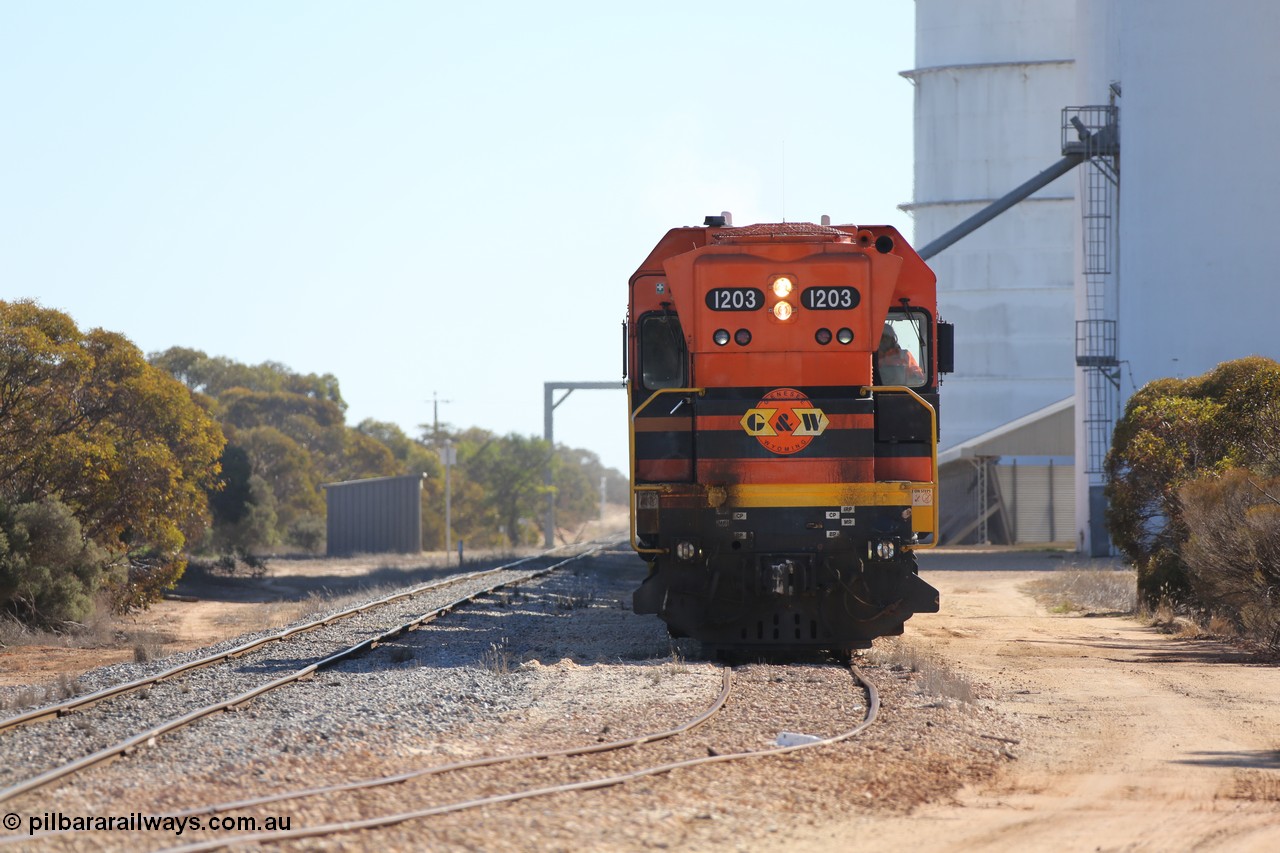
x=783 y=386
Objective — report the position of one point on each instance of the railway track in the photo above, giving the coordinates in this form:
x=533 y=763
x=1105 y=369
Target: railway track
x=581 y=778
x=75 y=703
x=593 y=783
x=447 y=594
x=590 y=783
x=431 y=737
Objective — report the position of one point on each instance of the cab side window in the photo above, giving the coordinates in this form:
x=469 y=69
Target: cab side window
x=903 y=349
x=663 y=355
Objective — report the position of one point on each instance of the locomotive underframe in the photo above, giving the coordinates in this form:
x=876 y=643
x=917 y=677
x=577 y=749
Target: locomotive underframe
x=784 y=577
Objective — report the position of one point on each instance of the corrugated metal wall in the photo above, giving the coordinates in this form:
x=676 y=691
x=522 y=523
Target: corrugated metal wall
x=374 y=516
x=963 y=507
x=1024 y=503
x=1040 y=501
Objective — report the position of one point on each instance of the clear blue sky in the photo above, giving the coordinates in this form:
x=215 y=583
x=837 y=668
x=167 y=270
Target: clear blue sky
x=421 y=197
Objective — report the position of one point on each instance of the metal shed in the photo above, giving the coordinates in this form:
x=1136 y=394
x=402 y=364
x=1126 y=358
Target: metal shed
x=374 y=516
x=1005 y=487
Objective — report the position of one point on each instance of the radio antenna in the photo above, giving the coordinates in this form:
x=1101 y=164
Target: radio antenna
x=784 y=179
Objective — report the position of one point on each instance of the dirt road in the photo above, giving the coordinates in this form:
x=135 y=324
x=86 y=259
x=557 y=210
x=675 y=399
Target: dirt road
x=1134 y=740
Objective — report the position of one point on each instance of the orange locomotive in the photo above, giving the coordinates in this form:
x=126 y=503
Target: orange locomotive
x=783 y=387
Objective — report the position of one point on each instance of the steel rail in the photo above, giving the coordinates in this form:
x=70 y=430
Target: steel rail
x=63 y=708
x=873 y=710
x=382 y=781
x=726 y=687
x=143 y=738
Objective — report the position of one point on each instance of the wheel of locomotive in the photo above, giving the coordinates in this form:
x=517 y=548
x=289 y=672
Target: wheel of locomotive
x=843 y=657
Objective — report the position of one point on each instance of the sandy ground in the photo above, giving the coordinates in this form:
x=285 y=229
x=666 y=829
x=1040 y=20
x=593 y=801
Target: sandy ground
x=1130 y=739
x=1135 y=740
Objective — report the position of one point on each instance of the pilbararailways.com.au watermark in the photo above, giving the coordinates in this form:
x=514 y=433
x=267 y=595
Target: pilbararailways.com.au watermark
x=139 y=822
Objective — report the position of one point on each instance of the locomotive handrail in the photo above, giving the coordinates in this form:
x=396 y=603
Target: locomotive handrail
x=933 y=449
x=631 y=442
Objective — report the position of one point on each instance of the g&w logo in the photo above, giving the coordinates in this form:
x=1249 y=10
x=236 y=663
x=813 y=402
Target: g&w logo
x=784 y=421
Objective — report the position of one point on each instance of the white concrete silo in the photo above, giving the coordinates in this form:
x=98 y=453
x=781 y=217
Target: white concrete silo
x=1186 y=285
x=991 y=79
x=1199 y=183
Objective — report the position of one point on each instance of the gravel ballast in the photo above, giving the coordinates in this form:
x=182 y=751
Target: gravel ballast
x=560 y=661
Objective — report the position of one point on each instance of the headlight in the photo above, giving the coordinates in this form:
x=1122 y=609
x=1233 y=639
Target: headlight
x=781 y=286
x=782 y=310
x=686 y=550
x=884 y=550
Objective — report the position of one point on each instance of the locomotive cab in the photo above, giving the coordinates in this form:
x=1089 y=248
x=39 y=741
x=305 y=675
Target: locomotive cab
x=783 y=392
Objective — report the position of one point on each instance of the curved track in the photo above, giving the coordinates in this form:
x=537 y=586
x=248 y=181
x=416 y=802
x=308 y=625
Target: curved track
x=872 y=711
x=501 y=577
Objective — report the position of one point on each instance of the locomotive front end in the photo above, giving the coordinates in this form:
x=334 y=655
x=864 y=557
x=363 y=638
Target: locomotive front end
x=783 y=386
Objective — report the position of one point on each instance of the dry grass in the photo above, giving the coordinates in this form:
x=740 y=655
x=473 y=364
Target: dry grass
x=1166 y=618
x=103 y=631
x=577 y=597
x=148 y=647
x=934 y=677
x=400 y=654
x=1255 y=786
x=500 y=659
x=676 y=665
x=1095 y=592
x=510 y=597
x=41 y=694
x=278 y=614
x=1088 y=591
x=1221 y=626
x=1176 y=622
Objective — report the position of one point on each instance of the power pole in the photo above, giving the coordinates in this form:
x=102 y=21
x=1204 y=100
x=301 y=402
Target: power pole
x=435 y=418
x=449 y=455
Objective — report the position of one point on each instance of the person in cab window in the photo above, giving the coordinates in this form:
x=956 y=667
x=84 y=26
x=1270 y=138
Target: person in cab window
x=897 y=366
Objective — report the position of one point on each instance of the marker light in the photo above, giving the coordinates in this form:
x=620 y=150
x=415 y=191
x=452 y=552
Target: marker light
x=823 y=336
x=782 y=310
x=742 y=337
x=781 y=286
x=721 y=337
x=845 y=336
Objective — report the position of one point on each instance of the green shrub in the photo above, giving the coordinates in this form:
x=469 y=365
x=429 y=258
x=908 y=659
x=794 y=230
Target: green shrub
x=309 y=532
x=49 y=573
x=1175 y=431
